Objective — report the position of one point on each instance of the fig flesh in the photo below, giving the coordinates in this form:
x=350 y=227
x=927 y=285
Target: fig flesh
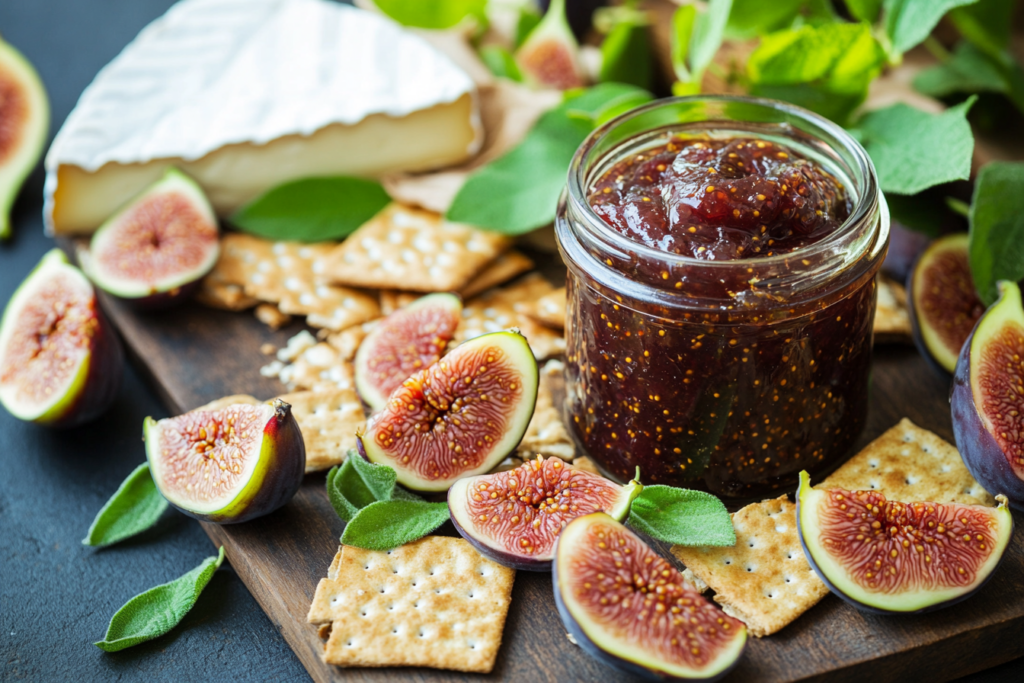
x=886 y=556
x=988 y=398
x=549 y=57
x=24 y=122
x=514 y=517
x=630 y=608
x=459 y=417
x=405 y=342
x=227 y=465
x=942 y=300
x=60 y=361
x=154 y=252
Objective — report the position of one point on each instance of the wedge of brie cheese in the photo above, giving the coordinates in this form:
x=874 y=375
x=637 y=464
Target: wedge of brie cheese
x=246 y=94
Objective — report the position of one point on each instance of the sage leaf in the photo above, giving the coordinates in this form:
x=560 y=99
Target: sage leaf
x=134 y=507
x=826 y=68
x=996 y=246
x=519 y=191
x=312 y=209
x=909 y=22
x=378 y=479
x=344 y=508
x=357 y=483
x=153 y=613
x=388 y=524
x=913 y=150
x=682 y=517
x=435 y=14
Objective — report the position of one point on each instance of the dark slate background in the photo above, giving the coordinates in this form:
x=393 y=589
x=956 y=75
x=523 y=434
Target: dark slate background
x=57 y=596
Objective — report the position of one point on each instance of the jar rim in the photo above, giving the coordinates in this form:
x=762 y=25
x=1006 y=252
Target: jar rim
x=866 y=203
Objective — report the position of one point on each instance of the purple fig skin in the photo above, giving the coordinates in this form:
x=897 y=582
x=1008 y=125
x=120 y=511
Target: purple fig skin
x=606 y=658
x=915 y=328
x=106 y=367
x=980 y=452
x=905 y=246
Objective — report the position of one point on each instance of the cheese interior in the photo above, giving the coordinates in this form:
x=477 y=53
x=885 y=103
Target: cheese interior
x=78 y=201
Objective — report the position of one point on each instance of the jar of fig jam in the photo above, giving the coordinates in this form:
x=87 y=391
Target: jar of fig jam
x=721 y=254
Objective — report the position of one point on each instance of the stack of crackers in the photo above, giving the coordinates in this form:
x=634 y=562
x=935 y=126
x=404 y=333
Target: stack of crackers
x=765 y=579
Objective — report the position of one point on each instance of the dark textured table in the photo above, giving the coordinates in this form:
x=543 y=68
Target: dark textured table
x=56 y=596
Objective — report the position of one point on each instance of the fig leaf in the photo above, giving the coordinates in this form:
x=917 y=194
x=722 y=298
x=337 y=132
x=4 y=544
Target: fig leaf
x=908 y=22
x=996 y=247
x=312 y=209
x=865 y=10
x=134 y=507
x=155 y=612
x=439 y=14
x=967 y=70
x=913 y=150
x=390 y=523
x=987 y=25
x=682 y=517
x=626 y=55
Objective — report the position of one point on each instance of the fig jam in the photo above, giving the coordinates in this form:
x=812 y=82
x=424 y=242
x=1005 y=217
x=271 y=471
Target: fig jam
x=725 y=343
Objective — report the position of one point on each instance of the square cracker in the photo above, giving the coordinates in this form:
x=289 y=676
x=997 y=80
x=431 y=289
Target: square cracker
x=417 y=249
x=329 y=421
x=892 y=319
x=549 y=309
x=215 y=292
x=504 y=308
x=546 y=433
x=435 y=602
x=910 y=464
x=321 y=610
x=501 y=269
x=764 y=580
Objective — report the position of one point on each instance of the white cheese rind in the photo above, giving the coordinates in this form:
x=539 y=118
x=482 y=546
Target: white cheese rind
x=262 y=90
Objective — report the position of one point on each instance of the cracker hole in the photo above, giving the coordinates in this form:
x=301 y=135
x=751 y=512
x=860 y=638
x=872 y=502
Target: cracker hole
x=349 y=643
x=395 y=630
x=788 y=579
x=874 y=485
x=789 y=556
x=781 y=529
x=750 y=567
x=472 y=594
x=873 y=464
x=422 y=634
x=926 y=449
x=910 y=480
x=751 y=543
x=728 y=560
x=382 y=589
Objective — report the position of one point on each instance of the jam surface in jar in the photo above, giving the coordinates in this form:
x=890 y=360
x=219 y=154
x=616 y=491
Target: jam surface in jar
x=733 y=399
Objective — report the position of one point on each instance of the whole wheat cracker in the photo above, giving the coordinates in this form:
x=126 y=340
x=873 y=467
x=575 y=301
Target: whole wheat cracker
x=892 y=319
x=435 y=602
x=549 y=309
x=417 y=249
x=500 y=270
x=546 y=433
x=911 y=465
x=329 y=421
x=764 y=580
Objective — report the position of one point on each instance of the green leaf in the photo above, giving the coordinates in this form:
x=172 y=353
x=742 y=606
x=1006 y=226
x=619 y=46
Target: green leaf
x=708 y=30
x=908 y=22
x=312 y=209
x=968 y=70
x=987 y=24
x=388 y=524
x=528 y=19
x=153 y=613
x=344 y=508
x=500 y=62
x=434 y=14
x=996 y=247
x=378 y=479
x=357 y=483
x=626 y=56
x=134 y=507
x=913 y=150
x=519 y=191
x=683 y=20
x=919 y=212
x=825 y=68
x=750 y=18
x=864 y=10
x=682 y=517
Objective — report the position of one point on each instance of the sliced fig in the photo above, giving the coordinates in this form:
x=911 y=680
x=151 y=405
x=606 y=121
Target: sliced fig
x=886 y=556
x=988 y=398
x=550 y=55
x=943 y=302
x=459 y=417
x=630 y=608
x=227 y=465
x=514 y=517
x=154 y=252
x=60 y=361
x=405 y=342
x=24 y=123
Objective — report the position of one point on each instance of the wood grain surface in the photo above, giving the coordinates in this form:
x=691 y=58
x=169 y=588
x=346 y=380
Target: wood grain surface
x=194 y=355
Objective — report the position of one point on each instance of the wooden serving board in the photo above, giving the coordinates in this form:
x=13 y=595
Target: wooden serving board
x=194 y=355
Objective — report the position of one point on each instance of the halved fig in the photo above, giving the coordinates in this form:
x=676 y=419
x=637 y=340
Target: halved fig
x=24 y=123
x=943 y=302
x=60 y=361
x=459 y=417
x=227 y=465
x=514 y=517
x=550 y=55
x=405 y=342
x=628 y=607
x=154 y=252
x=988 y=398
x=886 y=556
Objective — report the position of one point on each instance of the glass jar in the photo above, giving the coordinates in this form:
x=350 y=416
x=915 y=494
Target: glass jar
x=728 y=376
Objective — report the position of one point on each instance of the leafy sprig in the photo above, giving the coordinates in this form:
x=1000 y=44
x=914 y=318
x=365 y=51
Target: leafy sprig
x=136 y=506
